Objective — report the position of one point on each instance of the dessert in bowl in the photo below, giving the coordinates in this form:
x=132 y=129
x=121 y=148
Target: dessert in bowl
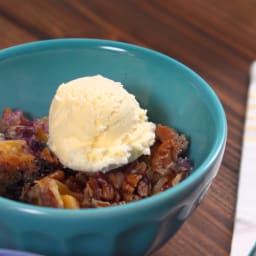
x=173 y=95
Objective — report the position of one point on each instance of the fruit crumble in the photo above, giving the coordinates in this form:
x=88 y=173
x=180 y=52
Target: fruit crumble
x=31 y=173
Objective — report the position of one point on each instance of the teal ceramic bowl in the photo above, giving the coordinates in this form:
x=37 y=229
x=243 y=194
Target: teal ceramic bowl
x=173 y=94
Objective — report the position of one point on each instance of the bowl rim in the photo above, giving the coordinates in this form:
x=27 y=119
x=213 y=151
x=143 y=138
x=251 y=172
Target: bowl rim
x=216 y=149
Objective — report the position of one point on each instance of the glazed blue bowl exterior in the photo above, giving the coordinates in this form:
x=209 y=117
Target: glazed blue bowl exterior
x=173 y=94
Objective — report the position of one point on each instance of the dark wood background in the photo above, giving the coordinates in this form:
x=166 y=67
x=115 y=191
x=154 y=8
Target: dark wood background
x=216 y=38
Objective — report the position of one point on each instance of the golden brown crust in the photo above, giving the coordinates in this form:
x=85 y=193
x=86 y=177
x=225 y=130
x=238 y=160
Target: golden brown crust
x=15 y=162
x=15 y=156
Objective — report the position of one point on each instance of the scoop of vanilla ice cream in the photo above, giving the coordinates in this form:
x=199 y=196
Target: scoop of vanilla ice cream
x=96 y=125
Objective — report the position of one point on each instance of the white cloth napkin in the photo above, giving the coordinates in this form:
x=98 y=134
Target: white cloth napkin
x=244 y=237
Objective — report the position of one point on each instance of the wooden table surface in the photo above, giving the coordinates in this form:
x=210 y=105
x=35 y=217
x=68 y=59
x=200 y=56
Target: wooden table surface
x=216 y=38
